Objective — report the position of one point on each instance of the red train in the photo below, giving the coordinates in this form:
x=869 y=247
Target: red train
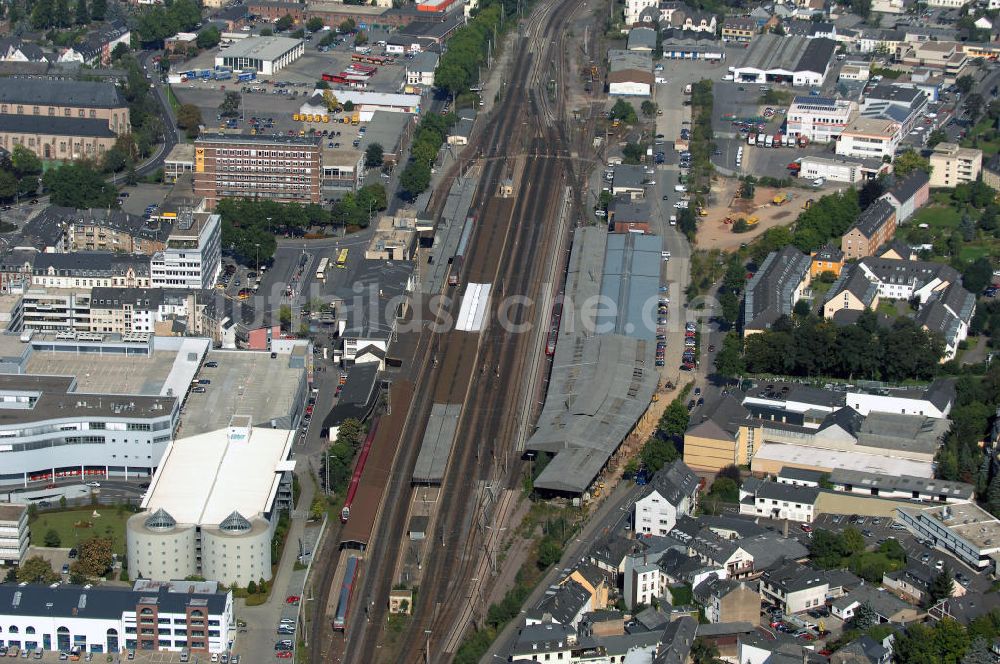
x=352 y=490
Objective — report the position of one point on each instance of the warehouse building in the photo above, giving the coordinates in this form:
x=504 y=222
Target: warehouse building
x=630 y=73
x=799 y=61
x=265 y=55
x=217 y=494
x=841 y=169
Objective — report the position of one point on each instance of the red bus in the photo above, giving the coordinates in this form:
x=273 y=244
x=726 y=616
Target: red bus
x=373 y=59
x=334 y=78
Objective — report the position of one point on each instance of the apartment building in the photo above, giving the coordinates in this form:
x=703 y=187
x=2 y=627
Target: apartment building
x=952 y=165
x=13 y=533
x=820 y=119
x=193 y=255
x=60 y=119
x=775 y=288
x=739 y=29
x=85 y=270
x=165 y=616
x=870 y=138
x=672 y=492
x=873 y=228
x=111 y=230
x=908 y=194
x=776 y=500
x=794 y=588
x=52 y=430
x=285 y=169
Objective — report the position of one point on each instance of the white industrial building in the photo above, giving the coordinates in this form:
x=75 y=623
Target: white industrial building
x=799 y=61
x=212 y=506
x=841 y=169
x=193 y=256
x=107 y=619
x=630 y=73
x=265 y=55
x=966 y=530
x=820 y=119
x=365 y=103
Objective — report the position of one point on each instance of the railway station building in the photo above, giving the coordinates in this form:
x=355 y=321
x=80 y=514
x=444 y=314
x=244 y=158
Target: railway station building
x=212 y=506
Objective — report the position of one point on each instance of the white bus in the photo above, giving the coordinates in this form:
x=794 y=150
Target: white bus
x=324 y=263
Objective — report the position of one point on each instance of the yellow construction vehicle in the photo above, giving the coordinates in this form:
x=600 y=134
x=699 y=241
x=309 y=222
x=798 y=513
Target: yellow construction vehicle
x=752 y=221
x=780 y=198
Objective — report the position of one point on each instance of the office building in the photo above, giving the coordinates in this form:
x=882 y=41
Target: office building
x=212 y=506
x=108 y=619
x=60 y=119
x=820 y=119
x=285 y=169
x=13 y=534
x=193 y=255
x=870 y=138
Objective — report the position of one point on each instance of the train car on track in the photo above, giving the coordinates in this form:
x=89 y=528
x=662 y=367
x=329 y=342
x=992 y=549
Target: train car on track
x=346 y=593
x=455 y=274
x=550 y=346
x=352 y=490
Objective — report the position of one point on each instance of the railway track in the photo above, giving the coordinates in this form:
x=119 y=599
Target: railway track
x=481 y=371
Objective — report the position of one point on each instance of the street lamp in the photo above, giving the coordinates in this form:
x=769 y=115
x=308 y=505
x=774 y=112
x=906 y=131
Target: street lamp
x=257 y=245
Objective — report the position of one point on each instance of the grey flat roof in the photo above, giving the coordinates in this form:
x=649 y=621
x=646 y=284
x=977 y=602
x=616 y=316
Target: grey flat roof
x=895 y=431
x=863 y=480
x=631 y=281
x=439 y=438
x=107 y=374
x=263 y=48
x=386 y=128
x=97 y=602
x=55 y=126
x=55 y=92
x=58 y=398
x=245 y=382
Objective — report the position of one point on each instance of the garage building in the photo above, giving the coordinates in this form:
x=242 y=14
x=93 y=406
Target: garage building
x=265 y=55
x=630 y=73
x=799 y=61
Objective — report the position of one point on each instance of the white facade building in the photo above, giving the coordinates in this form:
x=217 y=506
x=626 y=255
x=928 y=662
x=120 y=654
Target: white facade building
x=49 y=430
x=870 y=138
x=672 y=493
x=223 y=490
x=776 y=500
x=633 y=8
x=108 y=619
x=13 y=534
x=966 y=530
x=820 y=119
x=265 y=55
x=193 y=256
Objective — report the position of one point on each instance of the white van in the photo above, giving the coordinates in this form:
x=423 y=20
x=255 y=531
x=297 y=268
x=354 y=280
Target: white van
x=680 y=188
x=819 y=182
x=673 y=220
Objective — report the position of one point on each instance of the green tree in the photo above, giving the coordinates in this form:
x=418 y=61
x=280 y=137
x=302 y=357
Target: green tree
x=98 y=9
x=360 y=39
x=114 y=160
x=25 y=162
x=252 y=587
x=965 y=83
x=209 y=37
x=942 y=587
x=189 y=119
x=977 y=275
x=634 y=153
x=624 y=112
x=347 y=26
x=285 y=315
x=864 y=617
x=909 y=161
x=82 y=13
x=318 y=507
x=314 y=24
x=549 y=552
x=649 y=109
x=674 y=421
x=8 y=185
x=726 y=490
x=230 y=106
x=374 y=155
x=935 y=137
x=284 y=23
x=80 y=186
x=94 y=557
x=415 y=179
x=729 y=359
x=704 y=652
x=36 y=570
x=52 y=539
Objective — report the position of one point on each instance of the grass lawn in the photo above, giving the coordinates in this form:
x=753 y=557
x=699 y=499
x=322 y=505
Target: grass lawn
x=938 y=217
x=76 y=525
x=971 y=252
